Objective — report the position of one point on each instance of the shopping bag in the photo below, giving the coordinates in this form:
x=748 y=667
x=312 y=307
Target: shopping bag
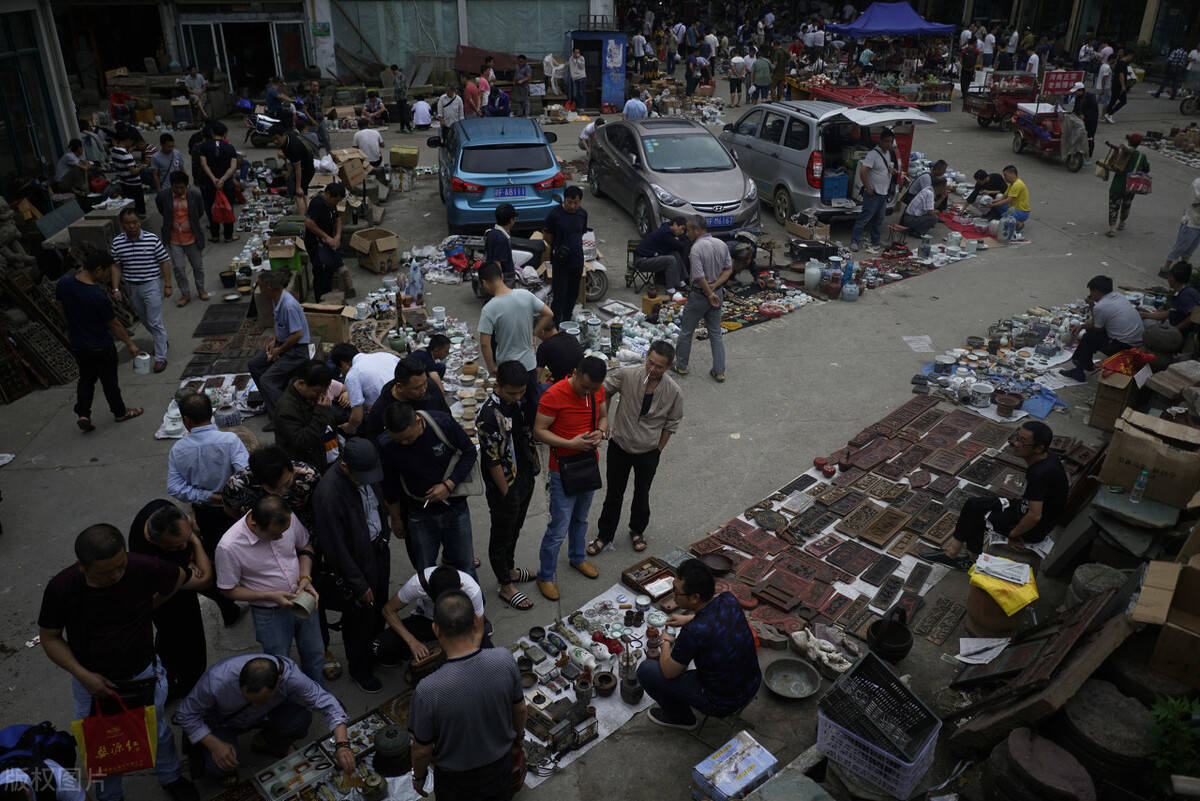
x=114 y=744
x=1138 y=182
x=222 y=212
x=1012 y=598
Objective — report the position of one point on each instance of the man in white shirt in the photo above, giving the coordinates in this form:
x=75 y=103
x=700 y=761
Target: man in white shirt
x=197 y=86
x=1033 y=62
x=364 y=375
x=422 y=115
x=405 y=639
x=577 y=71
x=964 y=37
x=921 y=214
x=1113 y=326
x=737 y=76
x=589 y=130
x=1193 y=69
x=369 y=141
x=1104 y=85
x=713 y=44
x=634 y=109
x=638 y=47
x=450 y=109
x=989 y=49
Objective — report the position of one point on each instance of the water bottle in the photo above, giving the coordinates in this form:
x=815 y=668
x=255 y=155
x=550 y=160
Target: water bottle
x=1139 y=488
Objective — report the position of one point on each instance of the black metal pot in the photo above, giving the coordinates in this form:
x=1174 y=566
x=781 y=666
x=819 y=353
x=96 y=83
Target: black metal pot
x=890 y=639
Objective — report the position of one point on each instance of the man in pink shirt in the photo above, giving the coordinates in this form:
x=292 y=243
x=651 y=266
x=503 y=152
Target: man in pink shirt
x=472 y=97
x=264 y=559
x=485 y=89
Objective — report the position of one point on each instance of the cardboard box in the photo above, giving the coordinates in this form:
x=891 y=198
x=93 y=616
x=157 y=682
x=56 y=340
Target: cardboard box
x=352 y=173
x=704 y=91
x=119 y=71
x=347 y=154
x=734 y=769
x=1114 y=393
x=402 y=156
x=284 y=252
x=1170 y=598
x=329 y=321
x=378 y=249
x=818 y=231
x=344 y=112
x=1169 y=452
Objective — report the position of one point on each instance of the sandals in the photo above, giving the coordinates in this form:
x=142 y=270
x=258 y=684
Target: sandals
x=519 y=601
x=638 y=540
x=129 y=414
x=597 y=545
x=523 y=576
x=85 y=425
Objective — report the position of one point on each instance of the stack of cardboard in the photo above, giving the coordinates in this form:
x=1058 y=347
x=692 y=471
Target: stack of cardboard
x=330 y=322
x=1171 y=383
x=1114 y=394
x=1170 y=598
x=286 y=252
x=378 y=249
x=1168 y=452
x=352 y=166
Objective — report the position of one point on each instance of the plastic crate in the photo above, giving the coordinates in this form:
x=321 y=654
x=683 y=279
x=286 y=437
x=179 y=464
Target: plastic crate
x=885 y=771
x=871 y=702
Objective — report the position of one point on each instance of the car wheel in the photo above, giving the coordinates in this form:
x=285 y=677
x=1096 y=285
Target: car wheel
x=594 y=181
x=1075 y=162
x=783 y=205
x=983 y=121
x=643 y=217
x=595 y=285
x=260 y=140
x=1006 y=124
x=1018 y=143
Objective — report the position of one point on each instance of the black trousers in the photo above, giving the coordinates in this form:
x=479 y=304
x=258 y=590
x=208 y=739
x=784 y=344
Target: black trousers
x=179 y=642
x=508 y=516
x=209 y=191
x=565 y=285
x=1093 y=342
x=362 y=623
x=491 y=782
x=620 y=462
x=213 y=523
x=97 y=365
x=393 y=650
x=136 y=193
x=1117 y=103
x=1004 y=514
x=405 y=116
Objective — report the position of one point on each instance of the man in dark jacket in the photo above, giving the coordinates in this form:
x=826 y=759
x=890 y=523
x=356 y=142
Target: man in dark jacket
x=304 y=415
x=663 y=251
x=1088 y=109
x=182 y=210
x=352 y=531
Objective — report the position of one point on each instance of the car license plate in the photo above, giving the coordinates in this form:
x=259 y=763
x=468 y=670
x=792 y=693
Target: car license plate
x=724 y=221
x=510 y=191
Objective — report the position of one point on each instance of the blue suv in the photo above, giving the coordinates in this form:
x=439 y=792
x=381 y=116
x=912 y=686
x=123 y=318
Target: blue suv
x=486 y=161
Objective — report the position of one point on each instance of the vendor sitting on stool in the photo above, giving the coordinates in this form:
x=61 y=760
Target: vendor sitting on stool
x=1025 y=521
x=664 y=251
x=714 y=635
x=922 y=212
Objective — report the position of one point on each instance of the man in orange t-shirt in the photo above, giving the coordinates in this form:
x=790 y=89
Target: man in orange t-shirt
x=572 y=418
x=182 y=210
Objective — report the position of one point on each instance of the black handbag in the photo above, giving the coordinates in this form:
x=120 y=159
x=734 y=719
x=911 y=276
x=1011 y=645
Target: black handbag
x=580 y=472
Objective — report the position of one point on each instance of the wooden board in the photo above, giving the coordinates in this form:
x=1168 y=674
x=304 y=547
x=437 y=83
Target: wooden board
x=823 y=545
x=900 y=546
x=910 y=602
x=945 y=461
x=810 y=523
x=941 y=530
x=835 y=606
x=991 y=435
x=981 y=471
x=892 y=471
x=846 y=477
x=852 y=557
x=854 y=523
x=877 y=452
x=887 y=593
x=880 y=570
x=917 y=577
x=880 y=487
x=942 y=485
x=922 y=520
x=879 y=532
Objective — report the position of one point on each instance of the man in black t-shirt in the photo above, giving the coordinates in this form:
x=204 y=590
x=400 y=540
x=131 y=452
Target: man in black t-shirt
x=299 y=163
x=162 y=530
x=560 y=353
x=1028 y=520
x=104 y=605
x=218 y=165
x=563 y=230
x=323 y=237
x=988 y=183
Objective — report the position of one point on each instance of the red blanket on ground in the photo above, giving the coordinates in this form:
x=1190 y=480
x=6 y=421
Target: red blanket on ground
x=968 y=231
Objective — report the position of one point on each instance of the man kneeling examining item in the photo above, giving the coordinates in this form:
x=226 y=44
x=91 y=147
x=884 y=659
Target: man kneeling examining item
x=1026 y=521
x=257 y=691
x=714 y=635
x=468 y=716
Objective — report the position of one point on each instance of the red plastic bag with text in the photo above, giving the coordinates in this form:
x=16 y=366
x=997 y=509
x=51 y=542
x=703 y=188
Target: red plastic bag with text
x=222 y=212
x=114 y=744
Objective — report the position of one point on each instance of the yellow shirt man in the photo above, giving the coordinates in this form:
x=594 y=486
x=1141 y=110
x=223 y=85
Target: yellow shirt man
x=1019 y=194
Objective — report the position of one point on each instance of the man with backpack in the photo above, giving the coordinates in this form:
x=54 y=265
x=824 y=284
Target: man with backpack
x=36 y=764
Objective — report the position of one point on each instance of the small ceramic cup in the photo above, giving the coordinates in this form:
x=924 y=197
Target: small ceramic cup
x=303 y=605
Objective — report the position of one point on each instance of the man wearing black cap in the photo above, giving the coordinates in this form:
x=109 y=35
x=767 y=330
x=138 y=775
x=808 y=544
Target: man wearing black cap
x=352 y=530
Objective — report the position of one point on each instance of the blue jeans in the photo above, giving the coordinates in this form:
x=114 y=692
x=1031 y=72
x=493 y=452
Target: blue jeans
x=146 y=298
x=578 y=90
x=276 y=627
x=696 y=309
x=1185 y=243
x=166 y=763
x=568 y=518
x=282 y=726
x=447 y=530
x=874 y=209
x=676 y=697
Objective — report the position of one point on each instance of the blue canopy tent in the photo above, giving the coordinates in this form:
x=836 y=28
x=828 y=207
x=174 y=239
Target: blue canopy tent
x=891 y=19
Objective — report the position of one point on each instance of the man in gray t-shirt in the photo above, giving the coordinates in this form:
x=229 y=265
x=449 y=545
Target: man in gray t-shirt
x=507 y=328
x=468 y=717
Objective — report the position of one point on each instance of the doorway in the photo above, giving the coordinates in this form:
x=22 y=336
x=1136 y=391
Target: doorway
x=251 y=56
x=592 y=51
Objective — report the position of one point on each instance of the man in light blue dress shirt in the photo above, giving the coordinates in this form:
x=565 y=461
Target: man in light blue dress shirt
x=257 y=691
x=197 y=469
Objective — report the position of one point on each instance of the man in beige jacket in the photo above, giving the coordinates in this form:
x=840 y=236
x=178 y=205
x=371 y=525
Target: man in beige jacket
x=649 y=412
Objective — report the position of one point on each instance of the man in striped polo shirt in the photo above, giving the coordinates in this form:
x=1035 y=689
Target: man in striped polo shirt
x=129 y=168
x=146 y=267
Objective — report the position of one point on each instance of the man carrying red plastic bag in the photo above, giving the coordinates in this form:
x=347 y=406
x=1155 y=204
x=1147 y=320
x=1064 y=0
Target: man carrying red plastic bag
x=103 y=604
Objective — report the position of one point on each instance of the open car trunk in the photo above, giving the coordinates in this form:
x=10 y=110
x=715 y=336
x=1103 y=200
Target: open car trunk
x=846 y=137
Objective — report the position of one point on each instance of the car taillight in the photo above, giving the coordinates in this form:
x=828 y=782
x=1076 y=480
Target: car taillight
x=557 y=182
x=459 y=185
x=815 y=169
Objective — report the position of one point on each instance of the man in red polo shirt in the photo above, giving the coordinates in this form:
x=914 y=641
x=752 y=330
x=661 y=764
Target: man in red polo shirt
x=572 y=418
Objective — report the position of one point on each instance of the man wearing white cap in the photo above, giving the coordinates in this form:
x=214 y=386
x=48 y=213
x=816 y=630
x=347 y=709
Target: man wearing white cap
x=52 y=781
x=1088 y=109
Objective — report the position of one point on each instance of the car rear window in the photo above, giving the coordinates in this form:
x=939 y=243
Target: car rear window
x=506 y=158
x=686 y=153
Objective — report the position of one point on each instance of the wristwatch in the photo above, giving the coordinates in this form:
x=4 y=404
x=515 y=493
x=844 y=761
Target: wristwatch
x=342 y=744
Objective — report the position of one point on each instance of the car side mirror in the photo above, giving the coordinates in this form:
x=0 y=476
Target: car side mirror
x=728 y=127
x=434 y=141
x=551 y=137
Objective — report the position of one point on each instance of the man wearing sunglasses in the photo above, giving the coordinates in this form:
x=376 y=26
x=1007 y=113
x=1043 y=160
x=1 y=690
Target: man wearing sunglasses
x=1023 y=521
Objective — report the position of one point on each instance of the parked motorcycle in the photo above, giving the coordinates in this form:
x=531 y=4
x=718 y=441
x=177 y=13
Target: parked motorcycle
x=595 y=278
x=258 y=126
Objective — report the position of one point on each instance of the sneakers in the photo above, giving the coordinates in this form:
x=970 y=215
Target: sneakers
x=656 y=716
x=1075 y=374
x=1108 y=118
x=182 y=790
x=679 y=370
x=368 y=683
x=718 y=377
x=854 y=247
x=587 y=568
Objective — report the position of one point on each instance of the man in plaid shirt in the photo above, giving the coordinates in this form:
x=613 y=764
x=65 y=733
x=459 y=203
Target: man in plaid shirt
x=1176 y=64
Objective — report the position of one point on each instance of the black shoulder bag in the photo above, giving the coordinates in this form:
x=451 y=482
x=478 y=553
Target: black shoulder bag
x=580 y=472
